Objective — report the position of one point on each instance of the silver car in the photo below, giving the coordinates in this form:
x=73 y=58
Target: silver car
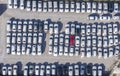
x=55 y=6
x=72 y=6
x=89 y=52
x=50 y=6
x=105 y=9
x=78 y=7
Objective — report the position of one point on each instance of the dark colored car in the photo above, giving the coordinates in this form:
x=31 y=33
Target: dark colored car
x=89 y=70
x=110 y=7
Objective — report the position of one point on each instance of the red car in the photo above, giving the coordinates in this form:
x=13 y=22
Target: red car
x=72 y=40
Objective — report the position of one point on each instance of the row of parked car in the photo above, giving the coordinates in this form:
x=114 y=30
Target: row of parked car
x=72 y=45
x=64 y=6
x=66 y=70
x=22 y=25
x=24 y=43
x=79 y=69
x=9 y=70
x=17 y=25
x=92 y=29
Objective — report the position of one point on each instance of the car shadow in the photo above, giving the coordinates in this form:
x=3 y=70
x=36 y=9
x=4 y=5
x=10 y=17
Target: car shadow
x=3 y=8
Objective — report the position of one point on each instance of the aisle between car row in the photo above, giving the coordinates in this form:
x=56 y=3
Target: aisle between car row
x=64 y=6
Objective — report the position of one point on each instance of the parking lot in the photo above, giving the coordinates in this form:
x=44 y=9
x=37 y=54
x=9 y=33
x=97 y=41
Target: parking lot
x=45 y=57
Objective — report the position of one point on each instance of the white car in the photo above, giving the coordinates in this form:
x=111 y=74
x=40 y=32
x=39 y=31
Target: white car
x=18 y=49
x=94 y=40
x=14 y=26
x=105 y=17
x=88 y=30
x=48 y=70
x=50 y=7
x=94 y=70
x=15 y=4
x=111 y=51
x=83 y=41
x=53 y=70
x=94 y=29
x=45 y=7
x=100 y=53
x=39 y=6
x=105 y=53
x=51 y=40
x=4 y=70
x=105 y=41
x=31 y=70
x=39 y=49
x=76 y=70
x=55 y=6
x=61 y=39
x=40 y=38
x=93 y=17
x=77 y=41
x=34 y=49
x=100 y=70
x=99 y=7
x=9 y=40
x=89 y=40
x=77 y=51
x=89 y=52
x=66 y=50
x=22 y=4
x=42 y=70
x=24 y=26
x=9 y=25
x=50 y=51
x=61 y=50
x=104 y=30
x=94 y=4
x=25 y=72
x=37 y=70
x=29 y=40
x=70 y=70
x=67 y=29
x=83 y=7
x=56 y=39
x=23 y=49
x=10 y=71
x=88 y=7
x=67 y=40
x=94 y=51
x=99 y=41
x=51 y=28
x=116 y=40
x=83 y=30
x=66 y=6
x=116 y=7
x=55 y=51
x=28 y=6
x=28 y=49
x=8 y=51
x=110 y=29
x=34 y=38
x=15 y=70
x=13 y=49
x=72 y=29
x=110 y=37
x=116 y=17
x=83 y=52
x=46 y=26
x=105 y=9
x=117 y=50
x=71 y=51
x=30 y=26
x=115 y=28
x=72 y=6
x=78 y=7
x=10 y=4
x=61 y=6
x=56 y=28
x=19 y=26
